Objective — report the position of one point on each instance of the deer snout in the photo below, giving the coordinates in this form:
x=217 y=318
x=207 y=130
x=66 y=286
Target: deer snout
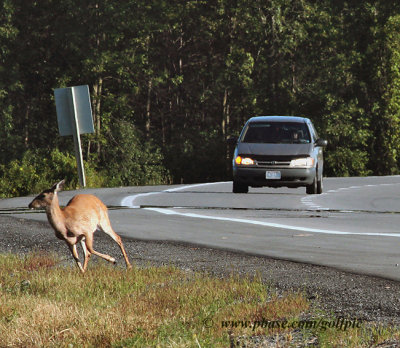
x=33 y=205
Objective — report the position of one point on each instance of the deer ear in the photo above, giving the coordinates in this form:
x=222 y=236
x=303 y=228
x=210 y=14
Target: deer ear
x=58 y=186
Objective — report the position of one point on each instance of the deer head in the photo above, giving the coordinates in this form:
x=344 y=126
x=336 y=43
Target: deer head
x=45 y=198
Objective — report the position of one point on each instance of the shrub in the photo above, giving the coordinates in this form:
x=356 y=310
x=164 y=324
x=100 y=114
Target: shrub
x=37 y=170
x=131 y=161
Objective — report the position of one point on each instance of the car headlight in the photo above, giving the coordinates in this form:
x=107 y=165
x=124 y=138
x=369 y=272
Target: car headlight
x=244 y=161
x=302 y=162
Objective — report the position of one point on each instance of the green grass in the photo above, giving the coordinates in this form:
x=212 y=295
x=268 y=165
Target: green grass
x=46 y=305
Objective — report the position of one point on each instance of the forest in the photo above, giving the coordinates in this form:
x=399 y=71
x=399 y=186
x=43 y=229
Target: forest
x=171 y=81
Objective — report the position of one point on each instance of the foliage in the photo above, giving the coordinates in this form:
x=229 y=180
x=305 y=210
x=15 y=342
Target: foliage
x=131 y=162
x=37 y=171
x=389 y=120
x=180 y=77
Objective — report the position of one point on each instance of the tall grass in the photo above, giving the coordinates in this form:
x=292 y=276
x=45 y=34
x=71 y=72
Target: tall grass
x=43 y=304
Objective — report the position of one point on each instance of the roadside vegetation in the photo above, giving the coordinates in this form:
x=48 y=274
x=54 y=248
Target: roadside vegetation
x=46 y=304
x=171 y=81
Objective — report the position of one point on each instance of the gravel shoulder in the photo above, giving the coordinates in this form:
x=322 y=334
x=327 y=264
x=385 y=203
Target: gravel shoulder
x=344 y=294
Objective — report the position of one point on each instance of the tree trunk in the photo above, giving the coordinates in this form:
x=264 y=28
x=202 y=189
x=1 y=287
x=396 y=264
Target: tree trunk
x=148 y=108
x=97 y=90
x=26 y=128
x=225 y=114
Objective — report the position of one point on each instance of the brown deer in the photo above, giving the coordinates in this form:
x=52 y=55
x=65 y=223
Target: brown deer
x=83 y=215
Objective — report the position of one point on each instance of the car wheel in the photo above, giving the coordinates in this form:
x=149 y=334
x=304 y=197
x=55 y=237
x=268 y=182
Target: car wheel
x=320 y=186
x=239 y=187
x=312 y=189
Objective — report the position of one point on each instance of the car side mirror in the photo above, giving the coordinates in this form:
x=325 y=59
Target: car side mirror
x=321 y=142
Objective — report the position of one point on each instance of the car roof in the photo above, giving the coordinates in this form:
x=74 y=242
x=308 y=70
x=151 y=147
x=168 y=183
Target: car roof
x=278 y=119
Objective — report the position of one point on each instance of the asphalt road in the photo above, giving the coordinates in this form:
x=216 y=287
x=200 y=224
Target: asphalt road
x=353 y=226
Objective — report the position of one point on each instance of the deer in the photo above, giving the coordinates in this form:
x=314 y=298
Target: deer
x=77 y=221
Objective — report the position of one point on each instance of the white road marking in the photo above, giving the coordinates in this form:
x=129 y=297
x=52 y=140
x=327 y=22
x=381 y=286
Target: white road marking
x=181 y=188
x=268 y=224
x=311 y=205
x=308 y=200
x=130 y=202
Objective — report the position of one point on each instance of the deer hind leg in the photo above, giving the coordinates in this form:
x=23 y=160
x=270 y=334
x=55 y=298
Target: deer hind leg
x=76 y=256
x=86 y=254
x=105 y=226
x=89 y=246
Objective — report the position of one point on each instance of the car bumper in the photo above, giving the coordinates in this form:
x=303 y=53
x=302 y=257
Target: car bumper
x=290 y=177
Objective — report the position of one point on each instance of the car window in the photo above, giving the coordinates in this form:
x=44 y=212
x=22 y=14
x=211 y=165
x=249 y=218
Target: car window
x=276 y=133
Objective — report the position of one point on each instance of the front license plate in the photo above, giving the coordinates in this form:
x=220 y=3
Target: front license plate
x=273 y=175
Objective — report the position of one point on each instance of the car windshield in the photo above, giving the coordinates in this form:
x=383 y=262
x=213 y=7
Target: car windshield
x=276 y=133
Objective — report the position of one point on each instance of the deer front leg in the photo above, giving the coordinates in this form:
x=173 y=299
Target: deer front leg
x=76 y=256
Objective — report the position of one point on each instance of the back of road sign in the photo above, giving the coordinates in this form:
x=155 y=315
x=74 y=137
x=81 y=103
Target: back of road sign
x=74 y=115
x=74 y=101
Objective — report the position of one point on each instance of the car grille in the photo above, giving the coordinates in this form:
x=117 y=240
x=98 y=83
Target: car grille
x=272 y=163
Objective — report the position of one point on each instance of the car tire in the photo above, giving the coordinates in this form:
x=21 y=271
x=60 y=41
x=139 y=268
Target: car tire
x=313 y=188
x=320 y=186
x=239 y=187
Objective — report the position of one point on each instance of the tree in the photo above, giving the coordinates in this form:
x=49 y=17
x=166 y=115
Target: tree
x=8 y=81
x=387 y=124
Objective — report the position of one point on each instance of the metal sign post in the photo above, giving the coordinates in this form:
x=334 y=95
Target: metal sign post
x=74 y=116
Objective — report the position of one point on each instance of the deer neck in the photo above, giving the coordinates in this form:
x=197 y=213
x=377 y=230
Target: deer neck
x=55 y=215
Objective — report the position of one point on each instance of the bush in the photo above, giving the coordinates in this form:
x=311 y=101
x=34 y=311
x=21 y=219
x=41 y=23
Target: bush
x=19 y=178
x=38 y=170
x=131 y=161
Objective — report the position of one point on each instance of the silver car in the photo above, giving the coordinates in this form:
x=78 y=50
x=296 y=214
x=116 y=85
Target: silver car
x=278 y=151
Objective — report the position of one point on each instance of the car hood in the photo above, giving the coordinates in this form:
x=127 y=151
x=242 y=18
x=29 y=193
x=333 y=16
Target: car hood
x=275 y=149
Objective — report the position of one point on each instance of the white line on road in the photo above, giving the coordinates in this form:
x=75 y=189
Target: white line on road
x=309 y=200
x=130 y=202
x=268 y=224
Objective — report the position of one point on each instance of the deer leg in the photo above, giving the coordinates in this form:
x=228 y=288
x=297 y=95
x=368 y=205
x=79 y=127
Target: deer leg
x=108 y=230
x=89 y=246
x=76 y=256
x=86 y=254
